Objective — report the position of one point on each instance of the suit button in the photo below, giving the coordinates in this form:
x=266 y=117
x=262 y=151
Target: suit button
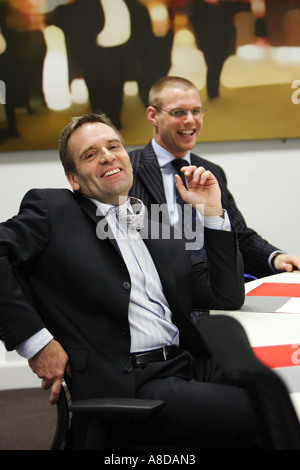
x=128 y=368
x=126 y=285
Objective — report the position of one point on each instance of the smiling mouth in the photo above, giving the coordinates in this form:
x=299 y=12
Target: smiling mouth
x=187 y=132
x=111 y=172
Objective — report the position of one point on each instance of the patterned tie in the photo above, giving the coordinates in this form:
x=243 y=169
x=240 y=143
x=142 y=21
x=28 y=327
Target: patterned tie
x=134 y=219
x=178 y=163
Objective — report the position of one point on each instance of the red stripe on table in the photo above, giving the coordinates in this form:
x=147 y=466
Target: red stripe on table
x=276 y=290
x=286 y=355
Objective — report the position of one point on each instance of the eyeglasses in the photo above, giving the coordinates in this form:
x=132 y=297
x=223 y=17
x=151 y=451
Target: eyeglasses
x=180 y=113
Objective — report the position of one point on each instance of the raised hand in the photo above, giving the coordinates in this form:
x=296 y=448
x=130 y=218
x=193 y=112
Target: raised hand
x=203 y=190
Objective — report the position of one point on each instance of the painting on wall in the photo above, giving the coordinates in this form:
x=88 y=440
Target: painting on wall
x=61 y=58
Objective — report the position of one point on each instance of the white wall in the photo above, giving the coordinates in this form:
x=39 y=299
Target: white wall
x=262 y=175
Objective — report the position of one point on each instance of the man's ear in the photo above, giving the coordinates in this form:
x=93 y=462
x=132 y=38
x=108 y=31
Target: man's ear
x=151 y=115
x=72 y=178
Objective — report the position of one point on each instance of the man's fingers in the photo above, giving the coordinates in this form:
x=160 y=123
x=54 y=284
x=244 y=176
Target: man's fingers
x=51 y=364
x=46 y=384
x=55 y=391
x=180 y=186
x=198 y=175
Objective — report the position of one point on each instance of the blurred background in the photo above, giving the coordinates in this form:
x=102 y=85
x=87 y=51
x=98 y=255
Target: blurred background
x=62 y=58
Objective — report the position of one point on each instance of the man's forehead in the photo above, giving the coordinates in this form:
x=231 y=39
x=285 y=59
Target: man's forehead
x=97 y=127
x=91 y=135
x=181 y=95
x=95 y=130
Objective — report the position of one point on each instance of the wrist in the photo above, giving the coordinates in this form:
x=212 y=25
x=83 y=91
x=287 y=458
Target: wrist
x=272 y=259
x=214 y=212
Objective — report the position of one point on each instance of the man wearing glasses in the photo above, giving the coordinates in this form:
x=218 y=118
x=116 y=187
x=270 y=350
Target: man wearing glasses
x=176 y=113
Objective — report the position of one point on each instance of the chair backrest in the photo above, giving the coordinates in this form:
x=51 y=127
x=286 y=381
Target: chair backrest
x=275 y=412
x=228 y=343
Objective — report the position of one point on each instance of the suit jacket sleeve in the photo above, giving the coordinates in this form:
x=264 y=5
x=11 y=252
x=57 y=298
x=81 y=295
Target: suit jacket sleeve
x=221 y=281
x=21 y=239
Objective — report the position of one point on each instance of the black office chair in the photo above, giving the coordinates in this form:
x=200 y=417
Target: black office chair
x=249 y=278
x=276 y=416
x=227 y=341
x=97 y=412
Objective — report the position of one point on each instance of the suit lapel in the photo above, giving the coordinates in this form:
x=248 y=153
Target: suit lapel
x=146 y=167
x=195 y=160
x=91 y=210
x=163 y=267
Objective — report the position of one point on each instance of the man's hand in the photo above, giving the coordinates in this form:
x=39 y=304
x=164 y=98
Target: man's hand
x=203 y=189
x=284 y=262
x=51 y=364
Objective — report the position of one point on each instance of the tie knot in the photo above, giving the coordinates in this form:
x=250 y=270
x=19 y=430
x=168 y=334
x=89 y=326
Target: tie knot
x=134 y=219
x=178 y=163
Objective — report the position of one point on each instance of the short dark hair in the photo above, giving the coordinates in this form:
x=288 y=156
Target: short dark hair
x=66 y=158
x=155 y=93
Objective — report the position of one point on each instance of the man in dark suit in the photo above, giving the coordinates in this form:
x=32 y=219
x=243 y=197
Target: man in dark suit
x=176 y=113
x=111 y=312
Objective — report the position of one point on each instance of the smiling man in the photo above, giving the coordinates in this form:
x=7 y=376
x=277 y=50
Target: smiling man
x=112 y=315
x=176 y=114
x=102 y=168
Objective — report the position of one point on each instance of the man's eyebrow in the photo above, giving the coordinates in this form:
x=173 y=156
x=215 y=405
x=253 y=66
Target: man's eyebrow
x=114 y=139
x=83 y=153
x=93 y=146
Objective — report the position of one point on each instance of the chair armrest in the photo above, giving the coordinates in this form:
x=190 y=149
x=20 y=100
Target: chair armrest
x=101 y=407
x=98 y=413
x=94 y=411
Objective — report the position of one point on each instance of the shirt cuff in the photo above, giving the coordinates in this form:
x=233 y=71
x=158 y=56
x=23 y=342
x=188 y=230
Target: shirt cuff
x=271 y=260
x=218 y=222
x=34 y=344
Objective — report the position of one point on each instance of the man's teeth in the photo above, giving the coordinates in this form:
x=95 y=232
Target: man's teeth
x=111 y=172
x=186 y=132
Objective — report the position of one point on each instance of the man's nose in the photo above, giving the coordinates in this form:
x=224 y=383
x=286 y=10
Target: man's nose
x=106 y=156
x=189 y=116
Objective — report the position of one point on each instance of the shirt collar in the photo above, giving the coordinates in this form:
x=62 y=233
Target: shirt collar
x=164 y=157
x=110 y=208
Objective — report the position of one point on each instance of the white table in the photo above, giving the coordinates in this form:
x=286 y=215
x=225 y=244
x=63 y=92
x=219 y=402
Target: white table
x=271 y=319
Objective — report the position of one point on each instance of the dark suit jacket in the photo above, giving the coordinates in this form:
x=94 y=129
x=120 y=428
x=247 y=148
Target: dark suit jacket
x=148 y=186
x=80 y=287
